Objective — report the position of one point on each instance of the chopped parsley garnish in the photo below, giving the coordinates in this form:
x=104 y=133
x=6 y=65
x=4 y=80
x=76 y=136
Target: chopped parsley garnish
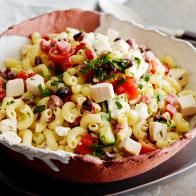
x=121 y=81
x=138 y=61
x=119 y=105
x=140 y=86
x=104 y=68
x=171 y=124
x=10 y=102
x=39 y=109
x=44 y=92
x=55 y=83
x=97 y=150
x=146 y=78
x=159 y=97
x=110 y=115
x=60 y=77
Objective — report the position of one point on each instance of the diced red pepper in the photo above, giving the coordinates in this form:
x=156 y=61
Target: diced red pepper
x=55 y=56
x=1 y=84
x=45 y=45
x=79 y=47
x=83 y=149
x=147 y=147
x=31 y=75
x=2 y=90
x=87 y=139
x=153 y=66
x=22 y=75
x=85 y=145
x=2 y=94
x=171 y=109
x=90 y=54
x=129 y=87
x=66 y=63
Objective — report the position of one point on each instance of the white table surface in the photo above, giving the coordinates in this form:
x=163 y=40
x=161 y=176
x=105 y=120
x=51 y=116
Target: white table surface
x=15 y=11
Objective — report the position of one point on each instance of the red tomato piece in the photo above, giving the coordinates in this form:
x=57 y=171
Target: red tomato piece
x=90 y=54
x=128 y=87
x=1 y=84
x=66 y=63
x=87 y=139
x=147 y=147
x=22 y=75
x=79 y=46
x=31 y=75
x=83 y=149
x=55 y=56
x=45 y=45
x=171 y=109
x=2 y=94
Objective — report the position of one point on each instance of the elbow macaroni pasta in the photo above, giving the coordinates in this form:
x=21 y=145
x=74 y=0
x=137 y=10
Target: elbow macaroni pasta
x=135 y=96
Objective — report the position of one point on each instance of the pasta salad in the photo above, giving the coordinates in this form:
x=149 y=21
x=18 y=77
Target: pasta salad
x=90 y=93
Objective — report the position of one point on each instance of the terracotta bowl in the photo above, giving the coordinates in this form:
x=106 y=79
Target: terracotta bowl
x=86 y=169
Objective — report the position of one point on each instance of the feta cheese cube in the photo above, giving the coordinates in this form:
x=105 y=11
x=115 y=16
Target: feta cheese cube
x=137 y=70
x=101 y=44
x=121 y=46
x=118 y=106
x=102 y=92
x=8 y=125
x=187 y=105
x=12 y=137
x=158 y=131
x=15 y=88
x=33 y=83
x=62 y=131
x=131 y=146
x=88 y=38
x=142 y=110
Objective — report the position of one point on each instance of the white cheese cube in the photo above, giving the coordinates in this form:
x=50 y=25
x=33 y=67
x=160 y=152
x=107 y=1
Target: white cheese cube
x=131 y=146
x=62 y=131
x=15 y=88
x=88 y=38
x=33 y=83
x=112 y=34
x=158 y=131
x=102 y=92
x=121 y=46
x=8 y=125
x=142 y=110
x=137 y=70
x=187 y=105
x=101 y=44
x=118 y=106
x=12 y=137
